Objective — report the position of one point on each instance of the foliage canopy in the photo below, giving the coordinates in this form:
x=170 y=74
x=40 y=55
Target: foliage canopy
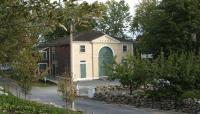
x=168 y=24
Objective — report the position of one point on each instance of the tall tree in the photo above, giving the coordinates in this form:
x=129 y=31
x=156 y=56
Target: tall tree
x=21 y=23
x=116 y=20
x=24 y=68
x=84 y=16
x=171 y=25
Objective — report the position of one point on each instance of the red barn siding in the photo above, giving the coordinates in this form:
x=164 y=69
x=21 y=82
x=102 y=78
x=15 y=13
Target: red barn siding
x=63 y=58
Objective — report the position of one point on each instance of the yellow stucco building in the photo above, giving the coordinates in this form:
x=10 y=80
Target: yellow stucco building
x=93 y=50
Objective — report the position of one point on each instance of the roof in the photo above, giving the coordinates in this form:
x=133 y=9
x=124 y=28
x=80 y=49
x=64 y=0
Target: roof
x=83 y=36
x=58 y=42
x=123 y=40
x=88 y=36
x=91 y=35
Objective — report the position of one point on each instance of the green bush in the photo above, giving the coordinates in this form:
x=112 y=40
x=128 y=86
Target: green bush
x=139 y=93
x=191 y=94
x=12 y=104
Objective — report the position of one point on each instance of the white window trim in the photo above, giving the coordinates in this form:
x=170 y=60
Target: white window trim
x=108 y=47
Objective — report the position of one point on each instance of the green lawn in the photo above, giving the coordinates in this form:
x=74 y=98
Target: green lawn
x=2 y=112
x=41 y=83
x=13 y=105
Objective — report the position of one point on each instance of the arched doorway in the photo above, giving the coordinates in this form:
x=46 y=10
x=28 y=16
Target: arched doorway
x=105 y=58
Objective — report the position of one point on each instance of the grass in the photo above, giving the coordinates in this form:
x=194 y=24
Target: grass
x=41 y=83
x=14 y=105
x=2 y=112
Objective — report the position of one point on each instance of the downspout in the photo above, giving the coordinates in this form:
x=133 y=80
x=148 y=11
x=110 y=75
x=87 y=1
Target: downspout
x=92 y=61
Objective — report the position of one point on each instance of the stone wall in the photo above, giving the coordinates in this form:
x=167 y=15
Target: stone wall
x=108 y=94
x=190 y=105
x=112 y=89
x=165 y=104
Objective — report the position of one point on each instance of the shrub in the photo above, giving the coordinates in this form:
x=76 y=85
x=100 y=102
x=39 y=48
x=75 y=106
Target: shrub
x=191 y=94
x=12 y=104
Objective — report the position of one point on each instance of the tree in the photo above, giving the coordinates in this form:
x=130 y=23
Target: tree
x=68 y=90
x=133 y=72
x=116 y=20
x=145 y=17
x=25 y=65
x=21 y=24
x=174 y=75
x=181 y=69
x=84 y=16
x=167 y=76
x=170 y=25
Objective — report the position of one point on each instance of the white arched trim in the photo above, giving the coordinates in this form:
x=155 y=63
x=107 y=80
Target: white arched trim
x=108 y=47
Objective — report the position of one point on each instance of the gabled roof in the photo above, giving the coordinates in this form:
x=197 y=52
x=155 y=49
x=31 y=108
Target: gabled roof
x=88 y=36
x=83 y=36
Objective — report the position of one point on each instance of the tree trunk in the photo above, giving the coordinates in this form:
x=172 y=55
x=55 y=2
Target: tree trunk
x=153 y=97
x=25 y=95
x=71 y=48
x=144 y=89
x=72 y=106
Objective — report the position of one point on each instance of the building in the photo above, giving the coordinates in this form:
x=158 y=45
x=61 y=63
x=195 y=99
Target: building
x=55 y=57
x=92 y=51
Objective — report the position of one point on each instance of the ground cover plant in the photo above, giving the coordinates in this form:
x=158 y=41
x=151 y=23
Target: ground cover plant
x=13 y=105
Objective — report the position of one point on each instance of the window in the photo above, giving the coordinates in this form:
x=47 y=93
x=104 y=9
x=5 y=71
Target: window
x=83 y=69
x=125 y=48
x=82 y=48
x=42 y=66
x=44 y=53
x=53 y=56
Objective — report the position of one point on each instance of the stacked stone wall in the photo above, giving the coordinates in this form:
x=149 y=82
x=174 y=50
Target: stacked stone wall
x=118 y=95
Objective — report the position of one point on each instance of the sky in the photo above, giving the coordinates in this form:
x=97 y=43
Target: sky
x=131 y=3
